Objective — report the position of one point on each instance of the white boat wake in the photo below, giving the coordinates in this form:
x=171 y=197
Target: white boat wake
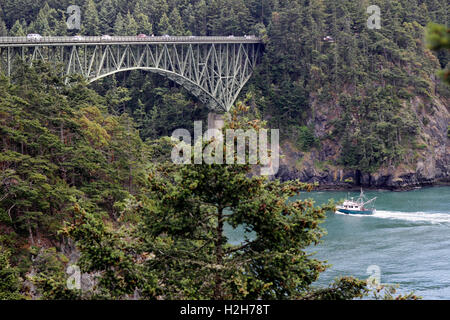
x=430 y=217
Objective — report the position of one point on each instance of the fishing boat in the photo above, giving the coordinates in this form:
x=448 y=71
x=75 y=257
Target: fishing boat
x=358 y=206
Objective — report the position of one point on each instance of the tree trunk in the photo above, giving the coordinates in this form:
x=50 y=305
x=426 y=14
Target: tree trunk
x=219 y=255
x=30 y=233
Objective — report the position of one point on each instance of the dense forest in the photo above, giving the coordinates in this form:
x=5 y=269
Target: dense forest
x=364 y=82
x=84 y=177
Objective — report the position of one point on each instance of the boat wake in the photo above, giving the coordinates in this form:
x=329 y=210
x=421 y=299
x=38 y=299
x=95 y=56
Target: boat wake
x=430 y=217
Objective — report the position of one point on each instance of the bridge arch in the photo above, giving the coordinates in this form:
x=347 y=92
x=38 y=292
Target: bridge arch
x=186 y=83
x=214 y=69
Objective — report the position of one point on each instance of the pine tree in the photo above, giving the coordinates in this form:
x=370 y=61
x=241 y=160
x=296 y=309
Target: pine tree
x=3 y=28
x=90 y=21
x=107 y=16
x=156 y=9
x=142 y=20
x=131 y=27
x=41 y=24
x=17 y=30
x=183 y=218
x=164 y=26
x=9 y=278
x=201 y=18
x=61 y=26
x=119 y=26
x=176 y=23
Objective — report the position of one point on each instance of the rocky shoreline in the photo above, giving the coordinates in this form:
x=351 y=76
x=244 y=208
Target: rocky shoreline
x=354 y=179
x=319 y=167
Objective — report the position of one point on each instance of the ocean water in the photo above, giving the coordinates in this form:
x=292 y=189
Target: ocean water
x=407 y=240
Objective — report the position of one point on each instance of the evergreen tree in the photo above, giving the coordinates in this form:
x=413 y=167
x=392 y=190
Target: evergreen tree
x=107 y=16
x=9 y=278
x=176 y=23
x=156 y=9
x=119 y=26
x=3 y=28
x=17 y=30
x=61 y=26
x=438 y=37
x=184 y=213
x=41 y=25
x=201 y=18
x=90 y=20
x=164 y=26
x=131 y=27
x=142 y=20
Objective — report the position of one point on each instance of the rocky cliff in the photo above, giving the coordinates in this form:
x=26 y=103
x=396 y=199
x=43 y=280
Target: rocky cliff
x=428 y=163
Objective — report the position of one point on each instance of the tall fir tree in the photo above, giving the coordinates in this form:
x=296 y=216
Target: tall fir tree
x=3 y=28
x=119 y=25
x=176 y=23
x=90 y=20
x=17 y=30
x=164 y=26
x=107 y=16
x=131 y=26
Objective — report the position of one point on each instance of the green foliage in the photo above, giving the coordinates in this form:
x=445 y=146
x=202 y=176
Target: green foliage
x=381 y=70
x=345 y=288
x=113 y=253
x=50 y=277
x=306 y=139
x=59 y=146
x=179 y=249
x=389 y=292
x=438 y=37
x=72 y=154
x=9 y=278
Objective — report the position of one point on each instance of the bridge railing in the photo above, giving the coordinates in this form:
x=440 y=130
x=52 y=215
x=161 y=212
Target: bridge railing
x=126 y=39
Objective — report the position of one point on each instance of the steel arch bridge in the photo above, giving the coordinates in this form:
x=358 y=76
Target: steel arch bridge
x=214 y=69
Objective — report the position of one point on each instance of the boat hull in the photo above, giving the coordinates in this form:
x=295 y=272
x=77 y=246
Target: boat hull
x=347 y=211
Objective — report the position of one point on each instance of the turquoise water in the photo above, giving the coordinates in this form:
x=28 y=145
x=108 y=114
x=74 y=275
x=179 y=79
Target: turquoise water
x=408 y=239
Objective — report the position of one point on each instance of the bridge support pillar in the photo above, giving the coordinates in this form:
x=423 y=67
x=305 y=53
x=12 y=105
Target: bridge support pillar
x=215 y=121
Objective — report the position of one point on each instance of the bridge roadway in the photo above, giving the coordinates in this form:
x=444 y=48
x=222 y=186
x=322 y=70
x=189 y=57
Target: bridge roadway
x=214 y=69
x=92 y=40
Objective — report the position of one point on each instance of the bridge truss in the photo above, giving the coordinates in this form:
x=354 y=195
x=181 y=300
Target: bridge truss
x=214 y=69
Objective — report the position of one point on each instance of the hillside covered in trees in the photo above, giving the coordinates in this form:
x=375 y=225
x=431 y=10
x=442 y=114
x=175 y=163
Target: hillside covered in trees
x=78 y=163
x=365 y=108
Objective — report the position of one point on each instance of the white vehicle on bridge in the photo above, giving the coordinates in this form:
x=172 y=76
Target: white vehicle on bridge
x=78 y=37
x=34 y=36
x=197 y=70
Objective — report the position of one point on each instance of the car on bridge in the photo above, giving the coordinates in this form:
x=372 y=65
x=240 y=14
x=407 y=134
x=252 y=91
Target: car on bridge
x=142 y=36
x=106 y=37
x=34 y=37
x=78 y=37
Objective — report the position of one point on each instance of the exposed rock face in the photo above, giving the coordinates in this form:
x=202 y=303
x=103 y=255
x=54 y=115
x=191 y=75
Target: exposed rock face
x=432 y=165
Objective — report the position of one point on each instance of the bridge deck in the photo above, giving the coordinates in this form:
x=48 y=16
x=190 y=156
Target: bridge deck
x=98 y=40
x=214 y=69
